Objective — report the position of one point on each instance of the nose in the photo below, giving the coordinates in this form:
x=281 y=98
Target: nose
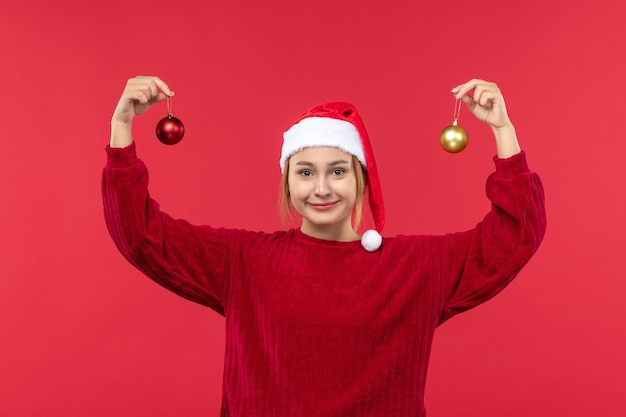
x=322 y=188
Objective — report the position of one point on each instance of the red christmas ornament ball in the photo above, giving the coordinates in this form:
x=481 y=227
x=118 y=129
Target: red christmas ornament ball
x=170 y=130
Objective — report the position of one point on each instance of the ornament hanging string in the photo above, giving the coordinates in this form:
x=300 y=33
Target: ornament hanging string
x=457 y=110
x=169 y=106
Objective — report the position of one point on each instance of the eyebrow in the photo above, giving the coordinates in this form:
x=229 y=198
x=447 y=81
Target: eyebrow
x=332 y=164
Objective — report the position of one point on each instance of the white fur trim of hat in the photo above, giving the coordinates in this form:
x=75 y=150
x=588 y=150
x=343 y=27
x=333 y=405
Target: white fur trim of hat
x=322 y=131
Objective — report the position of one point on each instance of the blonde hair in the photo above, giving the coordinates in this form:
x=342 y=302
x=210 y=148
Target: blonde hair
x=287 y=211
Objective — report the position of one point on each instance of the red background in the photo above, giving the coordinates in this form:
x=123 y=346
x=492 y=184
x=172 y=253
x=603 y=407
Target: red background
x=84 y=334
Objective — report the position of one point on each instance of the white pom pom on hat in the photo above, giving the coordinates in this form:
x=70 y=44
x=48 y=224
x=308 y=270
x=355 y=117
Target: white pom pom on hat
x=338 y=124
x=371 y=240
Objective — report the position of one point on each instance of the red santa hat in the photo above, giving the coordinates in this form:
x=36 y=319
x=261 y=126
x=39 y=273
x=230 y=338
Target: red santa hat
x=339 y=125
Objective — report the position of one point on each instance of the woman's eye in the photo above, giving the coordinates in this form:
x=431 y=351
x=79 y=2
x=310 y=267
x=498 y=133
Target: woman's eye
x=305 y=173
x=339 y=171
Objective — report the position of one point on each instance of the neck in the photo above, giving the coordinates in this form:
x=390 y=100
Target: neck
x=336 y=233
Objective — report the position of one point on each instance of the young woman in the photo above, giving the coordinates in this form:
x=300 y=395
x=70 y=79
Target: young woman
x=320 y=321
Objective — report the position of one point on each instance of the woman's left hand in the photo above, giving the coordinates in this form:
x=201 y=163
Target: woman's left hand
x=486 y=102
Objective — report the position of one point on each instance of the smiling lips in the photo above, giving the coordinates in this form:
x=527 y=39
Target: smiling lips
x=323 y=206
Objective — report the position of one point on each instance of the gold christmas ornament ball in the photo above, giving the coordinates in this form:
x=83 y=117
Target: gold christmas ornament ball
x=453 y=138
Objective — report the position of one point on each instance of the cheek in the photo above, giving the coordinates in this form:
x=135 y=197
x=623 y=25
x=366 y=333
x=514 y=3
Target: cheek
x=348 y=189
x=296 y=188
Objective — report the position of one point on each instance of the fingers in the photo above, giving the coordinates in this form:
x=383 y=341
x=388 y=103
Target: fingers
x=146 y=89
x=485 y=95
x=485 y=101
x=483 y=91
x=139 y=95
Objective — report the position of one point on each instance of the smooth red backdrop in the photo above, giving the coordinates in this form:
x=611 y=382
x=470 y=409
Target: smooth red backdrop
x=84 y=334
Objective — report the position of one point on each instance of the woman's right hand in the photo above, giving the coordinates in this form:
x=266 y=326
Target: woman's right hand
x=138 y=96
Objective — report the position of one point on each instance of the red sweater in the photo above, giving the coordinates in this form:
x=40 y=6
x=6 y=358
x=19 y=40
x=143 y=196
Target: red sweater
x=324 y=328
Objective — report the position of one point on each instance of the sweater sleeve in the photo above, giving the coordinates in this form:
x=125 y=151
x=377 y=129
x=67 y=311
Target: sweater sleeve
x=478 y=264
x=186 y=259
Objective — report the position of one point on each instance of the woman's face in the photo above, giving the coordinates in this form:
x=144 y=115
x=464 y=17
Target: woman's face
x=322 y=188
